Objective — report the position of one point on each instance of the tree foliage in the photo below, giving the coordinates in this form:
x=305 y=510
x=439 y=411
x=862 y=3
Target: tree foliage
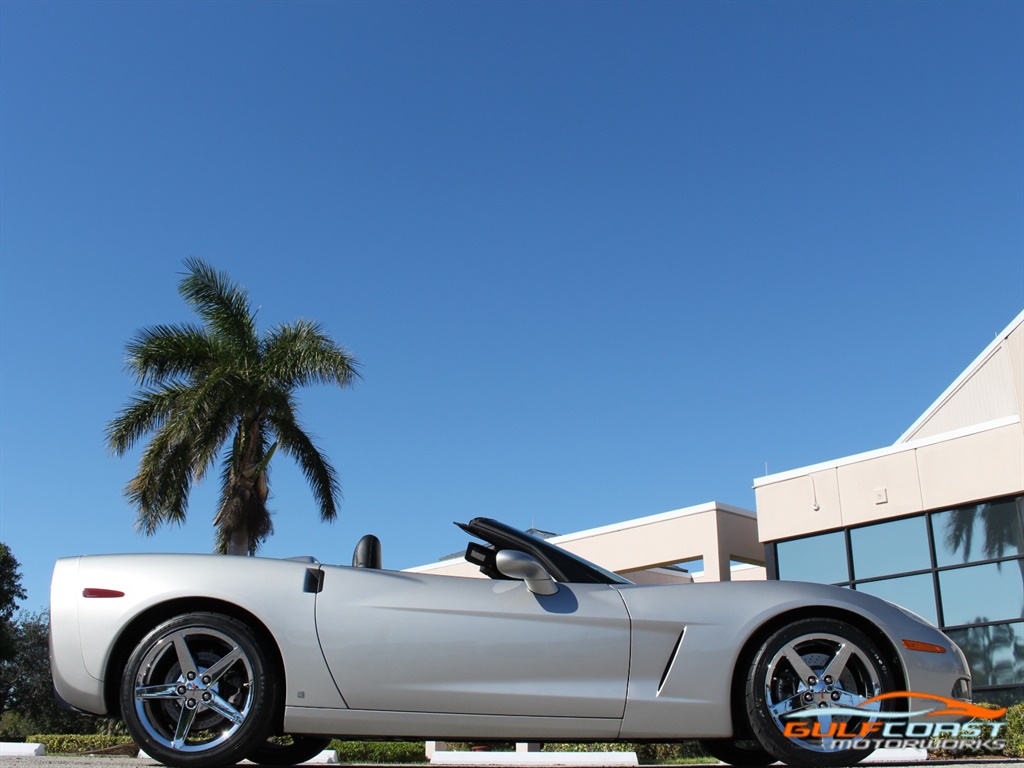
x=10 y=593
x=219 y=392
x=26 y=688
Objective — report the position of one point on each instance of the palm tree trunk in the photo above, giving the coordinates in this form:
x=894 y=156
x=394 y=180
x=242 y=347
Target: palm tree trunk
x=238 y=544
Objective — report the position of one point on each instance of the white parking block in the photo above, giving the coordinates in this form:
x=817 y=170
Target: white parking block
x=12 y=749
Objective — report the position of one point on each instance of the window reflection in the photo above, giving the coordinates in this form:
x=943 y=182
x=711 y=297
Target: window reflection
x=819 y=558
x=917 y=593
x=896 y=546
x=995 y=653
x=979 y=532
x=982 y=593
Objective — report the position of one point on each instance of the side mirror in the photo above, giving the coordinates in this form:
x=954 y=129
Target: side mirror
x=519 y=565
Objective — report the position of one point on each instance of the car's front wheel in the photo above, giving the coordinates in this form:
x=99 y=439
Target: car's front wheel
x=808 y=691
x=198 y=692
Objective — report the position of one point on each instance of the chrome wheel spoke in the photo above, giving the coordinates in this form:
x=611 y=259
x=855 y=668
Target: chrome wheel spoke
x=185 y=660
x=223 y=665
x=225 y=710
x=837 y=666
x=793 y=704
x=185 y=720
x=853 y=699
x=796 y=661
x=162 y=691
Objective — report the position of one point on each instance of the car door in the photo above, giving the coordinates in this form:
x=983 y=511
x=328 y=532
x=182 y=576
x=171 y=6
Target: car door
x=413 y=642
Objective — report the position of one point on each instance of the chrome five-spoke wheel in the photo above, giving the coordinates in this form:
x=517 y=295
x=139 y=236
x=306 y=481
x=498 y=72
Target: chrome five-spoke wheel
x=809 y=676
x=196 y=692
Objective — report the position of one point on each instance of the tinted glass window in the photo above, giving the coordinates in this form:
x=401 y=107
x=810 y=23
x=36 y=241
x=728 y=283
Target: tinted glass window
x=916 y=593
x=982 y=593
x=894 y=547
x=820 y=559
x=995 y=653
x=978 y=532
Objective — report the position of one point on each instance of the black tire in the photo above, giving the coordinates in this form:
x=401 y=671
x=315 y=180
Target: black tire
x=811 y=666
x=199 y=692
x=301 y=749
x=743 y=753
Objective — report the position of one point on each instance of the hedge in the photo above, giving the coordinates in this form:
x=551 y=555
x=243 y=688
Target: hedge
x=85 y=743
x=1014 y=731
x=379 y=751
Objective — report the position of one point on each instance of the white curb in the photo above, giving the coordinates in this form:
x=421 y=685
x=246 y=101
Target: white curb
x=14 y=749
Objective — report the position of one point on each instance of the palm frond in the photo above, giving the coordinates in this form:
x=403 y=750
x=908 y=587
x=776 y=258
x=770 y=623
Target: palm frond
x=301 y=353
x=222 y=304
x=146 y=411
x=161 y=488
x=317 y=469
x=167 y=352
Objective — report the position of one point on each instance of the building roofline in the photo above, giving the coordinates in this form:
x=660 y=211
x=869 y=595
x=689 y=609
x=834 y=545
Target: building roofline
x=639 y=522
x=888 y=451
x=958 y=382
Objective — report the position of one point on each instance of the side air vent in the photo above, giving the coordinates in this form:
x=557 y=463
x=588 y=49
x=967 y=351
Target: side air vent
x=671 y=661
x=314 y=581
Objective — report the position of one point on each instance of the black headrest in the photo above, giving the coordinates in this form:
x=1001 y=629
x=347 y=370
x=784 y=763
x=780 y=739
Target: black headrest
x=367 y=553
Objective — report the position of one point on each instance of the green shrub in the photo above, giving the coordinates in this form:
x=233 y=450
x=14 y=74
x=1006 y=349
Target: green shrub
x=83 y=743
x=963 y=752
x=1013 y=731
x=379 y=751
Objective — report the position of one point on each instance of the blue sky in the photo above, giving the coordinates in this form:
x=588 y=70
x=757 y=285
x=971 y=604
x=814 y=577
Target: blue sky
x=598 y=260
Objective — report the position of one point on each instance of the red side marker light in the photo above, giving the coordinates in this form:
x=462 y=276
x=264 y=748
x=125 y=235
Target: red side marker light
x=97 y=592
x=917 y=645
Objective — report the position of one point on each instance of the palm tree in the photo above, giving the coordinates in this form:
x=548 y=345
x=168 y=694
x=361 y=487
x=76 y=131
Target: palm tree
x=204 y=386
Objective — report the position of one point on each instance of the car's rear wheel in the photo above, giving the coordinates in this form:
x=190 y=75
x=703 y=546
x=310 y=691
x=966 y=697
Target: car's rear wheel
x=198 y=692
x=289 y=750
x=807 y=676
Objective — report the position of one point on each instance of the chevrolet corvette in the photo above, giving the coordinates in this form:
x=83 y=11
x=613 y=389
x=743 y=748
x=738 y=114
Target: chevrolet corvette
x=210 y=659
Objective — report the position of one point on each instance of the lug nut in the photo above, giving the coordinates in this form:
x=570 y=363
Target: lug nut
x=808 y=696
x=828 y=680
x=206 y=697
x=835 y=695
x=822 y=705
x=191 y=675
x=812 y=680
x=191 y=703
x=181 y=690
x=206 y=679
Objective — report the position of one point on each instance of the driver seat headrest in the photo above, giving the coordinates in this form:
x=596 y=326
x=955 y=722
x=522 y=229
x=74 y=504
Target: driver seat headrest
x=367 y=553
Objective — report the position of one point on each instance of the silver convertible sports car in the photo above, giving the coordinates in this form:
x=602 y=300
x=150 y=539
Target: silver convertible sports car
x=207 y=658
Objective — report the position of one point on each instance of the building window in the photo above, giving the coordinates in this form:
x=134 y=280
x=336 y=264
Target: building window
x=962 y=569
x=881 y=549
x=982 y=594
x=978 y=532
x=820 y=558
x=914 y=592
